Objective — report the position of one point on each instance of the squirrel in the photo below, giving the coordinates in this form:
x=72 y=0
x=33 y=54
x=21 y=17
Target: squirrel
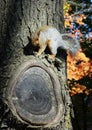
x=51 y=37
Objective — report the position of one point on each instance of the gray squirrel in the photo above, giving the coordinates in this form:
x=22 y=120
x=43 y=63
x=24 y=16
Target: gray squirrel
x=50 y=36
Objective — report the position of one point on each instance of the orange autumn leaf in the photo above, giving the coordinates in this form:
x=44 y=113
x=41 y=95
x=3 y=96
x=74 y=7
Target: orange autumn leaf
x=87 y=92
x=78 y=89
x=72 y=93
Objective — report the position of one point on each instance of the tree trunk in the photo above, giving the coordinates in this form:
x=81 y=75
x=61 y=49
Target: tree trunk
x=17 y=59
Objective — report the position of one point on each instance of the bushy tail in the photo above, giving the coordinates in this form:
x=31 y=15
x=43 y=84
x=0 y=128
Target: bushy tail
x=69 y=43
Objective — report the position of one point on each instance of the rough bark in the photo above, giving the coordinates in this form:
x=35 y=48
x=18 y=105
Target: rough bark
x=16 y=16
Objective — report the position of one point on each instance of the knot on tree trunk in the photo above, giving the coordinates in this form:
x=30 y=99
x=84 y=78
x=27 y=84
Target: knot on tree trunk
x=34 y=94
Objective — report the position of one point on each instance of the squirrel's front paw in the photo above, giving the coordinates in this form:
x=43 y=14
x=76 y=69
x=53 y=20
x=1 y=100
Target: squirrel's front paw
x=37 y=54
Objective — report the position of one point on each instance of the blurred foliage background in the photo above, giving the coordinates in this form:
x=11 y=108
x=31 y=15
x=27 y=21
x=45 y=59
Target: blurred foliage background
x=78 y=23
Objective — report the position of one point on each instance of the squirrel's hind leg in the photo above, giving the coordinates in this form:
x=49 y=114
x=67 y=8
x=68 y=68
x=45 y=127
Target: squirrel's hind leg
x=52 y=46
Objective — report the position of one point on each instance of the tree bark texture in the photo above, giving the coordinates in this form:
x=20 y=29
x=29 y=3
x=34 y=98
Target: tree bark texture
x=15 y=18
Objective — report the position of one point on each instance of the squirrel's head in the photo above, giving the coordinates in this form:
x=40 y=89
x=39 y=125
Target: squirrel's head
x=35 y=41
x=35 y=38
